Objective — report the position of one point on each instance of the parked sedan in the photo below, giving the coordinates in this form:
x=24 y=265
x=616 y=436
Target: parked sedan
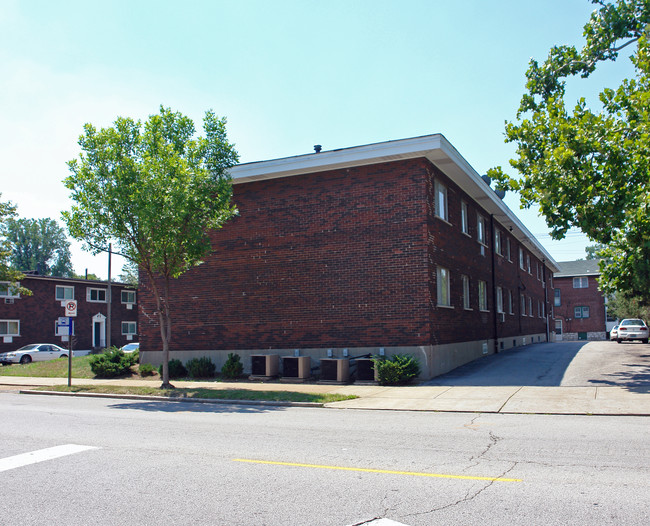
x=35 y=352
x=613 y=334
x=131 y=347
x=631 y=329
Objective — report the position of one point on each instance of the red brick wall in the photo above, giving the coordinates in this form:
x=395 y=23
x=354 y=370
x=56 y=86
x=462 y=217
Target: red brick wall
x=571 y=298
x=332 y=259
x=461 y=254
x=38 y=314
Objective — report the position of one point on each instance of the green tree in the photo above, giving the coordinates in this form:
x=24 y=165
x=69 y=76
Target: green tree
x=590 y=168
x=625 y=306
x=593 y=251
x=8 y=274
x=39 y=244
x=129 y=274
x=155 y=192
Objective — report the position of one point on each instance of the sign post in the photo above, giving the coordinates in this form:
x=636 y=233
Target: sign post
x=70 y=312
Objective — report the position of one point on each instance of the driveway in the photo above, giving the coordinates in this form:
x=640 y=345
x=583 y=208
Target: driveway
x=569 y=364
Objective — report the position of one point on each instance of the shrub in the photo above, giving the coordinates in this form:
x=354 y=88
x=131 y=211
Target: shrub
x=146 y=369
x=399 y=369
x=233 y=368
x=201 y=367
x=112 y=363
x=176 y=369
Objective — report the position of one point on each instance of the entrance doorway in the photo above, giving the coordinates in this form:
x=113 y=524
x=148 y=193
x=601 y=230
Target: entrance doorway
x=558 y=330
x=99 y=331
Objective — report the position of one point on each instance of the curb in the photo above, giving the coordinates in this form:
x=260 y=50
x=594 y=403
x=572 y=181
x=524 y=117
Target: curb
x=177 y=399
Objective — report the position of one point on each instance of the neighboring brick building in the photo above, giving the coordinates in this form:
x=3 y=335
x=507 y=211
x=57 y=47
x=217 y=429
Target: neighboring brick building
x=32 y=319
x=397 y=245
x=580 y=311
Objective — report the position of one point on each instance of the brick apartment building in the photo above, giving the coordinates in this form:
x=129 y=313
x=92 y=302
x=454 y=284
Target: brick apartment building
x=580 y=310
x=32 y=319
x=399 y=246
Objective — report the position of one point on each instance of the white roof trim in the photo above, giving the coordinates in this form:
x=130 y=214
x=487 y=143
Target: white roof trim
x=436 y=148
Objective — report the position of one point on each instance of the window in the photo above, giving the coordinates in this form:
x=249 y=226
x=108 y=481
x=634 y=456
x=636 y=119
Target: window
x=129 y=328
x=499 y=299
x=443 y=287
x=558 y=298
x=96 y=295
x=510 y=305
x=464 y=220
x=508 y=253
x=6 y=292
x=480 y=228
x=441 y=201
x=521 y=259
x=466 y=304
x=523 y=304
x=64 y=293
x=482 y=295
x=9 y=328
x=581 y=312
x=128 y=296
x=530 y=306
x=497 y=242
x=528 y=262
x=580 y=283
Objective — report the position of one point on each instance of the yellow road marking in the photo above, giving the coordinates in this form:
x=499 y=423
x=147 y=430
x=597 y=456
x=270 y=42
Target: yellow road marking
x=367 y=470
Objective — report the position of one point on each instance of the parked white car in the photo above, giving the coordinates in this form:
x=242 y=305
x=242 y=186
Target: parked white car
x=131 y=347
x=34 y=352
x=613 y=334
x=631 y=329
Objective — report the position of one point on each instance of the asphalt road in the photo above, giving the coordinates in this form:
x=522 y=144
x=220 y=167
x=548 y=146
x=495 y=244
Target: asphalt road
x=570 y=364
x=179 y=463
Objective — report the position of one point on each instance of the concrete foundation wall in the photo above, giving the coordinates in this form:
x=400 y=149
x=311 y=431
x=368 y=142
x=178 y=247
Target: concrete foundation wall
x=434 y=359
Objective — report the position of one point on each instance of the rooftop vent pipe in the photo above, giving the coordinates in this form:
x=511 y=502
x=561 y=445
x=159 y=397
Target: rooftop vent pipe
x=317 y=148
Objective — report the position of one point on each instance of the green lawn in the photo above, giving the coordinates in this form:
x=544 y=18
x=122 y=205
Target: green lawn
x=51 y=368
x=218 y=394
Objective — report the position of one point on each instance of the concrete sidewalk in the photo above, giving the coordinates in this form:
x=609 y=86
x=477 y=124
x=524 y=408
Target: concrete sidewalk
x=482 y=399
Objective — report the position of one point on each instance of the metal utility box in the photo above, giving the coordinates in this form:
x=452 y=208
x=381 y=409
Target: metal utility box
x=366 y=370
x=335 y=370
x=296 y=367
x=264 y=365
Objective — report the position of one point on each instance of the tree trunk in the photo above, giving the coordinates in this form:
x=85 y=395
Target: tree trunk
x=164 y=319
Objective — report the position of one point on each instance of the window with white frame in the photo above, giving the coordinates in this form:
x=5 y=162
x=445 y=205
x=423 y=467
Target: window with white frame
x=510 y=304
x=464 y=218
x=581 y=312
x=128 y=296
x=466 y=303
x=530 y=307
x=6 y=289
x=581 y=283
x=498 y=247
x=480 y=229
x=9 y=327
x=508 y=252
x=557 y=297
x=96 y=295
x=441 y=201
x=499 y=299
x=521 y=259
x=523 y=304
x=64 y=292
x=528 y=262
x=482 y=295
x=129 y=328
x=443 y=287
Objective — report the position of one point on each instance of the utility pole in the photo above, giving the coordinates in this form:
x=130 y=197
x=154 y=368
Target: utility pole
x=109 y=301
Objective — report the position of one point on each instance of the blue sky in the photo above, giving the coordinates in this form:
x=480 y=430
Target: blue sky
x=286 y=74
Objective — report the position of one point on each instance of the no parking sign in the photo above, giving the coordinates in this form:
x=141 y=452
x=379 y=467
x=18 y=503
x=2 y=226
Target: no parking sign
x=71 y=308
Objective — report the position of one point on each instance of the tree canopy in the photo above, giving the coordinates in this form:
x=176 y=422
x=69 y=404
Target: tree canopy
x=155 y=192
x=41 y=245
x=8 y=274
x=590 y=168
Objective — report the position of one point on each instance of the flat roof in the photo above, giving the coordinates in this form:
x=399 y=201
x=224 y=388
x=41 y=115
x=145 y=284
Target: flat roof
x=436 y=148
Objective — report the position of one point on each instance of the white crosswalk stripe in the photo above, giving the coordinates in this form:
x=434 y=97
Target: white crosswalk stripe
x=41 y=455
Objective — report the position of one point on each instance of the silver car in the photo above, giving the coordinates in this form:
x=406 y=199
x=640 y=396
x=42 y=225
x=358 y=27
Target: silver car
x=34 y=352
x=631 y=329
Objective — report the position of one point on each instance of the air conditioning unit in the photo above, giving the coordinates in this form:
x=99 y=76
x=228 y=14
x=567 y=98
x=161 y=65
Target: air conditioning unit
x=366 y=370
x=335 y=370
x=264 y=366
x=9 y=301
x=296 y=367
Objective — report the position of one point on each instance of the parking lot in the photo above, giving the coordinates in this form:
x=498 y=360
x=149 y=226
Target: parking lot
x=567 y=364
